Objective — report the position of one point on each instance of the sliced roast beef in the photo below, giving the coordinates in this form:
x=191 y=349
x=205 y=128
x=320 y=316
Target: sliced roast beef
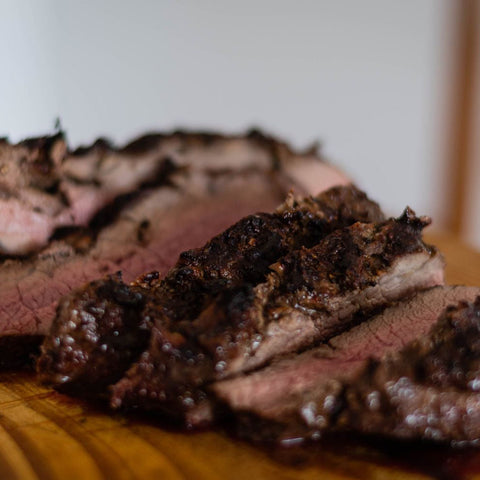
x=148 y=234
x=106 y=314
x=43 y=187
x=304 y=395
x=241 y=254
x=428 y=390
x=311 y=295
x=191 y=186
x=29 y=196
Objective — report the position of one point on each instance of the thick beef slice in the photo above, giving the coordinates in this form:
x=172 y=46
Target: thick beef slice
x=243 y=253
x=96 y=311
x=44 y=187
x=430 y=389
x=305 y=171
x=240 y=254
x=311 y=295
x=302 y=396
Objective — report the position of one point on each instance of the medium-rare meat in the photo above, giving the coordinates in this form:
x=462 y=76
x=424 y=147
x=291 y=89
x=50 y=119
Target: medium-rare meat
x=43 y=187
x=29 y=191
x=89 y=324
x=311 y=295
x=429 y=390
x=191 y=186
x=302 y=396
x=147 y=234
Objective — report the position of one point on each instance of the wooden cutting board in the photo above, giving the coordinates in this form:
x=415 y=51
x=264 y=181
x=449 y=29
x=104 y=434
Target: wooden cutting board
x=46 y=435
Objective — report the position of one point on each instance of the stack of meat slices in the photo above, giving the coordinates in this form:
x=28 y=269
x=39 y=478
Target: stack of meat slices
x=408 y=372
x=322 y=316
x=221 y=310
x=72 y=217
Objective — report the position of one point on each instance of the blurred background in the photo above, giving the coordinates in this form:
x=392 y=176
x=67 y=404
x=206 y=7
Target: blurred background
x=390 y=88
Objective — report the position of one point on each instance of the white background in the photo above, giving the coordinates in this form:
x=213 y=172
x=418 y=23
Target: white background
x=366 y=78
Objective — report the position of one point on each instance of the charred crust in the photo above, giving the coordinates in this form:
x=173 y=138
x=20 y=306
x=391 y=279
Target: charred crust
x=148 y=280
x=40 y=162
x=150 y=141
x=202 y=309
x=409 y=384
x=79 y=238
x=119 y=292
x=161 y=176
x=42 y=143
x=101 y=145
x=339 y=262
x=106 y=326
x=143 y=144
x=409 y=218
x=40 y=158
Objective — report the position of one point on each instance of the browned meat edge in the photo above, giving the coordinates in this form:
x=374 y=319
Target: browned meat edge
x=147 y=235
x=210 y=182
x=82 y=340
x=44 y=187
x=429 y=390
x=302 y=396
x=311 y=295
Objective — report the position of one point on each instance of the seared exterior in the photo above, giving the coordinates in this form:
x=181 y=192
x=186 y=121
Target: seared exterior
x=429 y=390
x=73 y=217
x=319 y=317
x=147 y=234
x=241 y=254
x=302 y=396
x=104 y=315
x=311 y=295
x=45 y=187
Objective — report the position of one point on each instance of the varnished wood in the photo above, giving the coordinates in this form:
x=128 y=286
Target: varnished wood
x=46 y=435
x=461 y=117
x=463 y=262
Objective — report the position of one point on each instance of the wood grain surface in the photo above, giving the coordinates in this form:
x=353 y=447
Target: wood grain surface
x=46 y=435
